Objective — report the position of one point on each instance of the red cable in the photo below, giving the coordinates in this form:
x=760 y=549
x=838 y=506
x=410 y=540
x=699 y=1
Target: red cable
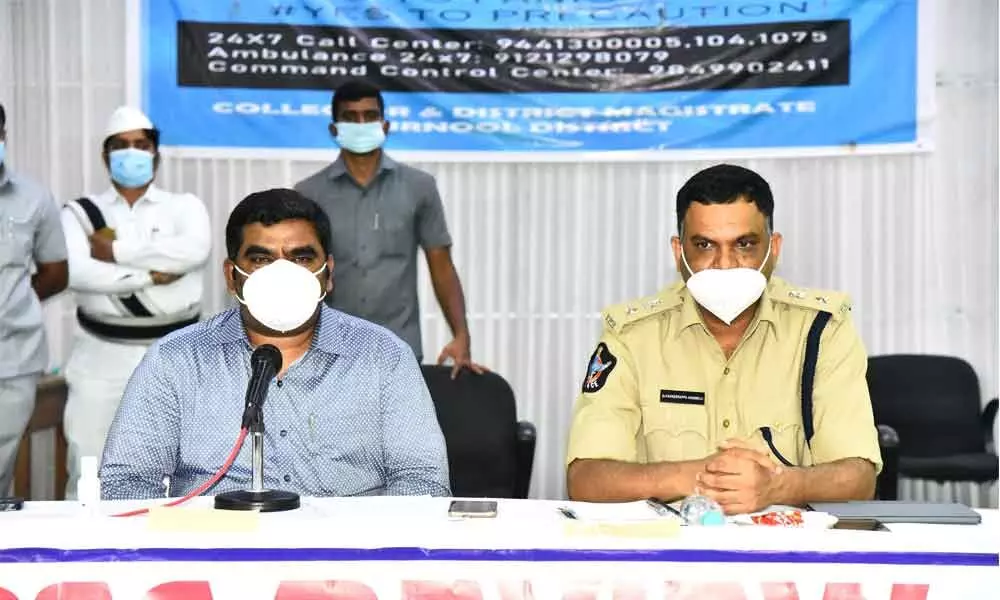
x=222 y=471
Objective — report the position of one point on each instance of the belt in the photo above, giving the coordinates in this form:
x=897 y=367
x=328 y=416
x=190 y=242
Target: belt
x=130 y=332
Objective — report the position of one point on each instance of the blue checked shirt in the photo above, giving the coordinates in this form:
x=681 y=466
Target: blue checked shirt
x=352 y=417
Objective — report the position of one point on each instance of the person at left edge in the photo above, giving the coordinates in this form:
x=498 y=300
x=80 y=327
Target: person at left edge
x=348 y=415
x=30 y=235
x=136 y=255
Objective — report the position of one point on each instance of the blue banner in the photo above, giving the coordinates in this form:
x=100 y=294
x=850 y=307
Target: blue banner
x=540 y=76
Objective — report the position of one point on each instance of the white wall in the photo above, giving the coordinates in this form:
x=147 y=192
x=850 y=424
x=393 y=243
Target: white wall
x=542 y=247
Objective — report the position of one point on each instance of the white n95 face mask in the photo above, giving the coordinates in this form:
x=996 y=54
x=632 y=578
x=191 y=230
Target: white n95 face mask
x=726 y=292
x=282 y=295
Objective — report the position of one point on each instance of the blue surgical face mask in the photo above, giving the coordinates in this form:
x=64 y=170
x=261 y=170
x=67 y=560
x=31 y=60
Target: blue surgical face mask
x=131 y=168
x=360 y=138
x=3 y=150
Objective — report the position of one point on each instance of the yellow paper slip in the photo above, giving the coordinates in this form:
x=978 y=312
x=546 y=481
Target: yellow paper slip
x=633 y=529
x=202 y=520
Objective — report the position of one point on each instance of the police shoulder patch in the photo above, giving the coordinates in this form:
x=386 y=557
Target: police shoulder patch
x=838 y=304
x=602 y=362
x=619 y=316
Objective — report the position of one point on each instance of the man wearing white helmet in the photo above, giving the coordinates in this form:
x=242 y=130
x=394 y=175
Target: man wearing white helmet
x=136 y=262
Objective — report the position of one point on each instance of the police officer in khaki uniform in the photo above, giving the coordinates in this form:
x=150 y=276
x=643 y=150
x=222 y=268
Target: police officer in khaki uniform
x=733 y=383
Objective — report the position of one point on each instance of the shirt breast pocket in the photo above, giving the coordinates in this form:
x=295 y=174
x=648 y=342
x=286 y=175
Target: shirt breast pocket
x=161 y=228
x=346 y=453
x=396 y=235
x=785 y=442
x=16 y=234
x=674 y=432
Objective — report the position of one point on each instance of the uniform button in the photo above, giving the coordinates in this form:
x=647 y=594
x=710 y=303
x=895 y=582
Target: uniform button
x=364 y=300
x=364 y=247
x=288 y=478
x=725 y=423
x=284 y=433
x=725 y=371
x=354 y=262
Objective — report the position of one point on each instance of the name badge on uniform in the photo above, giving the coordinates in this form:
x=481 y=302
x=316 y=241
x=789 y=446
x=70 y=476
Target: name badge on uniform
x=602 y=362
x=682 y=397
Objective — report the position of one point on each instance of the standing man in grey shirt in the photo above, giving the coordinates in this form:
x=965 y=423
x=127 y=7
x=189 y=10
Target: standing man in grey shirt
x=30 y=234
x=380 y=212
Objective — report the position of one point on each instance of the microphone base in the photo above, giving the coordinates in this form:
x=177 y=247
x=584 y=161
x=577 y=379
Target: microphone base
x=265 y=501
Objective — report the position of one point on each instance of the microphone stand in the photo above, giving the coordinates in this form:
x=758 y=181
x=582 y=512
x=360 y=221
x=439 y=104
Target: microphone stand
x=257 y=453
x=257 y=498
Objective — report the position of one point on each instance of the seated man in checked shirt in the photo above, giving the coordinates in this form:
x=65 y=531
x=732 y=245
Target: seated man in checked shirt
x=349 y=413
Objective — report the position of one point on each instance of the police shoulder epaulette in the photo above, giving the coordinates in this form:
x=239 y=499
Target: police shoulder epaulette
x=837 y=304
x=619 y=316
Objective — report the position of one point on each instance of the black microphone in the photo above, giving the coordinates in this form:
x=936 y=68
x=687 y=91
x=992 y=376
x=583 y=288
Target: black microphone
x=265 y=363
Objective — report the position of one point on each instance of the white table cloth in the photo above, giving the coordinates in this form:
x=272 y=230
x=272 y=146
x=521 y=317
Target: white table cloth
x=408 y=548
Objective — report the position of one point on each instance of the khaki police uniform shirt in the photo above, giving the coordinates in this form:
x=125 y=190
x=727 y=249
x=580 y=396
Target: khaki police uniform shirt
x=659 y=388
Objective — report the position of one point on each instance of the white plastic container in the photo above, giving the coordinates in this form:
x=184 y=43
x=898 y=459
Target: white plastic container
x=88 y=486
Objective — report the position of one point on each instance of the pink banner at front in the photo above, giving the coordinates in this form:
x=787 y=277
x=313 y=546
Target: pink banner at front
x=472 y=590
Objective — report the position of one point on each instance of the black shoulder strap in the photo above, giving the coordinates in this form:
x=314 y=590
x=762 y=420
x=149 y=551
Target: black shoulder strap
x=93 y=213
x=809 y=372
x=131 y=302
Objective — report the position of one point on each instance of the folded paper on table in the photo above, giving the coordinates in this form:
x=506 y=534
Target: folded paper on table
x=640 y=510
x=202 y=520
x=657 y=528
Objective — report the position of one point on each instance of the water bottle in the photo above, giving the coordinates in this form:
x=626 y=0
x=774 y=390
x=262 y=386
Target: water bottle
x=701 y=510
x=88 y=487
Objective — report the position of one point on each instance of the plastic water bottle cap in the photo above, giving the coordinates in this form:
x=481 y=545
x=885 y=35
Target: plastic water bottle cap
x=88 y=466
x=713 y=517
x=696 y=510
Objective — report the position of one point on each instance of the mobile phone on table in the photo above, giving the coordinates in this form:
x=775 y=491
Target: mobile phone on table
x=472 y=508
x=9 y=504
x=857 y=524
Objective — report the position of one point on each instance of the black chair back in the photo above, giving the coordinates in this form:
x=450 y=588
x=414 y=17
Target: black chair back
x=490 y=454
x=989 y=417
x=931 y=401
x=887 y=482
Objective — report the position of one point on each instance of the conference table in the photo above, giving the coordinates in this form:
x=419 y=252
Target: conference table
x=396 y=548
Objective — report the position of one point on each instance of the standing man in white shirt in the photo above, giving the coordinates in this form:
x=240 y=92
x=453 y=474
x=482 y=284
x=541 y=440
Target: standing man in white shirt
x=136 y=263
